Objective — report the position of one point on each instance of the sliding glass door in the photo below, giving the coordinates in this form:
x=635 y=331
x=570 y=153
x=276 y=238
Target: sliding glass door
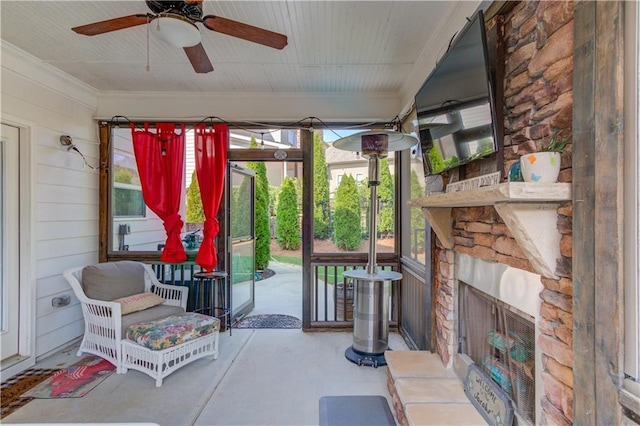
x=241 y=237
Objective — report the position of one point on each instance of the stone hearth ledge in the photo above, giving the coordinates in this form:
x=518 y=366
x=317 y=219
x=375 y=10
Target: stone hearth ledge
x=529 y=210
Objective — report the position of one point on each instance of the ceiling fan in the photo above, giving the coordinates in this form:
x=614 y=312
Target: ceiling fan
x=175 y=23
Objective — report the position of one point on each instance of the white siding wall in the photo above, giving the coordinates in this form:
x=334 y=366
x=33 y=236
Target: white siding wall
x=64 y=192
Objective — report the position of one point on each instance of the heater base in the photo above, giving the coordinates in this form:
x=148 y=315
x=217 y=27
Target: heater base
x=365 y=359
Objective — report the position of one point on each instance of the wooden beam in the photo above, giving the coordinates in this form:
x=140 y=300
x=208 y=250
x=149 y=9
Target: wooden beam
x=104 y=200
x=597 y=211
x=609 y=209
x=583 y=255
x=306 y=142
x=265 y=155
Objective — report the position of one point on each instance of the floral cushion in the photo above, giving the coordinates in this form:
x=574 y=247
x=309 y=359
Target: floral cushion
x=173 y=330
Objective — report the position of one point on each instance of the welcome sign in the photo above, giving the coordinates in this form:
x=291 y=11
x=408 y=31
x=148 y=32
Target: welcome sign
x=474 y=183
x=490 y=400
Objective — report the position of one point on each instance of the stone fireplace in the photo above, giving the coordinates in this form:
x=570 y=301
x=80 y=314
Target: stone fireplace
x=497 y=314
x=521 y=227
x=504 y=244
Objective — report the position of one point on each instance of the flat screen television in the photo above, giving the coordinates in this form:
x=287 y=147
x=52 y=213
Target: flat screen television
x=455 y=106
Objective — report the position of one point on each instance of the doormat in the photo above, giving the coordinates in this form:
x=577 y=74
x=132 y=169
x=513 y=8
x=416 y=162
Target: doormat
x=74 y=381
x=354 y=410
x=269 y=321
x=10 y=399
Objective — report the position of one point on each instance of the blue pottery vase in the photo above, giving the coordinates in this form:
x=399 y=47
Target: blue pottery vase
x=515 y=172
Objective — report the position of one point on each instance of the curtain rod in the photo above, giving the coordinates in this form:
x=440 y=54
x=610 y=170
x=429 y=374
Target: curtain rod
x=306 y=123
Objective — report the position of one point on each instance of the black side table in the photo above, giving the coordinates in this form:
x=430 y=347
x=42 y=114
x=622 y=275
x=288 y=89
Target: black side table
x=218 y=303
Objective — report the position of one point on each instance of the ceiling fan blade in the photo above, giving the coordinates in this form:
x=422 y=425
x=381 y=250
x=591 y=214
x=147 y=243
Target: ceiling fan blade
x=198 y=58
x=111 y=25
x=245 y=31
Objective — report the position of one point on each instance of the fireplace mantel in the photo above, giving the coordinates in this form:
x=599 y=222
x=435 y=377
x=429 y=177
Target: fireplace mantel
x=529 y=210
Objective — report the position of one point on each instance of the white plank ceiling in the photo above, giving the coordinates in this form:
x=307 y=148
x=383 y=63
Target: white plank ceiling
x=334 y=46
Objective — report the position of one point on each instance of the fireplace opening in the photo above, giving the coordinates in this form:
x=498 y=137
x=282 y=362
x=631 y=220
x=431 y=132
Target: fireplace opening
x=501 y=340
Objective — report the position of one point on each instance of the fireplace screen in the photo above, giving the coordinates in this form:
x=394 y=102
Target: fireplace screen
x=502 y=341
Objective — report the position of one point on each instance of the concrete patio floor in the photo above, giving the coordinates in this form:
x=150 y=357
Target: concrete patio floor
x=262 y=376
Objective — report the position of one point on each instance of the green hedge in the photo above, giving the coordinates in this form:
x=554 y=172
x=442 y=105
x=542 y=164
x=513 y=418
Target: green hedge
x=263 y=232
x=287 y=221
x=321 y=218
x=347 y=232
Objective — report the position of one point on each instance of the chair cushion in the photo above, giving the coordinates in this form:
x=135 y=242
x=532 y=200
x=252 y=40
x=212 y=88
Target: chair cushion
x=138 y=302
x=172 y=331
x=152 y=314
x=113 y=280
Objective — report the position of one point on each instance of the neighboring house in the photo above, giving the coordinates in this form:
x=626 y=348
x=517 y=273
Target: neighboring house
x=135 y=226
x=341 y=162
x=269 y=138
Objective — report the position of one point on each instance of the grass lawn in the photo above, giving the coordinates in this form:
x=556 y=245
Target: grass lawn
x=331 y=271
x=288 y=259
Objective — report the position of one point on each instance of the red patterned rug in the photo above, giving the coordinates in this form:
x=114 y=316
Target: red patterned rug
x=75 y=381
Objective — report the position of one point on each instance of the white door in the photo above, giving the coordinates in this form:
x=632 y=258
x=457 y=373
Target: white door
x=9 y=240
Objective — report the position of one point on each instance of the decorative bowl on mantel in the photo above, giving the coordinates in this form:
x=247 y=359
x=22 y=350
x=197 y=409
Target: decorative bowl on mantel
x=540 y=166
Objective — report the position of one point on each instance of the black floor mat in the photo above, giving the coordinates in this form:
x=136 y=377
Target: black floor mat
x=269 y=321
x=355 y=410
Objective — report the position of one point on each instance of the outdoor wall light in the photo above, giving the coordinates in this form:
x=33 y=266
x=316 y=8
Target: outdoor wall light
x=67 y=142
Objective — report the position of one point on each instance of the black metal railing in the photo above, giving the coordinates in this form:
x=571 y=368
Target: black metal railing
x=332 y=294
x=182 y=274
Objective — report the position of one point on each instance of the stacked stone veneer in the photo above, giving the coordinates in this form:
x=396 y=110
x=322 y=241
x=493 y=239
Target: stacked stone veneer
x=538 y=102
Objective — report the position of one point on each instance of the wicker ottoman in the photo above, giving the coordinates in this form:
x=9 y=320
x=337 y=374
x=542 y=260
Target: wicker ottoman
x=158 y=348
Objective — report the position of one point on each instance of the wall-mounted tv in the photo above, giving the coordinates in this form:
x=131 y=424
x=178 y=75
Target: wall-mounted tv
x=455 y=106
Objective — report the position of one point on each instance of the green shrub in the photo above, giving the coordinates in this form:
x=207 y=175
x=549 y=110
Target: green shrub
x=347 y=233
x=241 y=219
x=364 y=194
x=274 y=192
x=417 y=218
x=386 y=195
x=321 y=219
x=287 y=221
x=436 y=160
x=195 y=211
x=262 y=229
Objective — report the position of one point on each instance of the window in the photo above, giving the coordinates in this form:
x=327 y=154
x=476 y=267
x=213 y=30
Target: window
x=127 y=192
x=134 y=227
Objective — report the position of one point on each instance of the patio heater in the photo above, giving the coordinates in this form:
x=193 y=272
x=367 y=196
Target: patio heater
x=372 y=287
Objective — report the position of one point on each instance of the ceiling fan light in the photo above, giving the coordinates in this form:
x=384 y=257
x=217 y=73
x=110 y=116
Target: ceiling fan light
x=175 y=30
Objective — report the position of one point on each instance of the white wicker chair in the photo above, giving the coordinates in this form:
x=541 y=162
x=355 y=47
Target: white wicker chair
x=103 y=319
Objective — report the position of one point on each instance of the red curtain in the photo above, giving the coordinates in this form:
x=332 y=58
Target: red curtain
x=160 y=160
x=211 y=165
